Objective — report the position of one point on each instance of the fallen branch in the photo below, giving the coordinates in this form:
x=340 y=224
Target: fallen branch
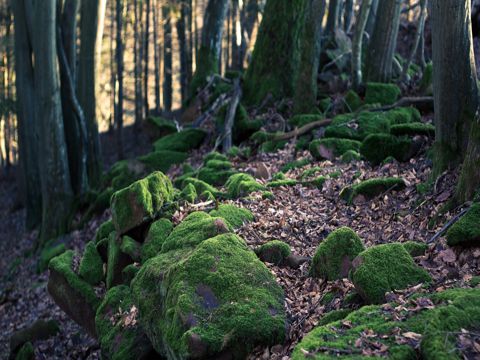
x=222 y=100
x=303 y=130
x=449 y=224
x=422 y=103
x=230 y=118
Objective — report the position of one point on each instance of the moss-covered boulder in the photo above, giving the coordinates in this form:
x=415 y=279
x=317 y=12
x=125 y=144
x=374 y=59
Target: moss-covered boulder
x=104 y=230
x=383 y=94
x=466 y=231
x=350 y=156
x=39 y=330
x=26 y=352
x=140 y=202
x=189 y=193
x=236 y=217
x=157 y=127
x=242 y=184
x=216 y=172
x=385 y=268
x=130 y=247
x=156 y=236
x=415 y=248
x=413 y=129
x=352 y=101
x=369 y=189
x=429 y=333
x=333 y=257
x=182 y=141
x=162 y=160
x=200 y=186
x=73 y=295
x=377 y=147
x=274 y=252
x=331 y=148
x=119 y=333
x=208 y=299
x=91 y=265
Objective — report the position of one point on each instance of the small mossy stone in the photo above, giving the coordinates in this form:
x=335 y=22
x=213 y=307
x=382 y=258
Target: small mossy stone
x=333 y=257
x=104 y=230
x=182 y=141
x=215 y=177
x=350 y=156
x=26 y=352
x=141 y=201
x=385 y=268
x=91 y=265
x=352 y=101
x=380 y=93
x=236 y=217
x=39 y=330
x=466 y=231
x=274 y=252
x=296 y=164
x=156 y=236
x=131 y=248
x=332 y=147
x=413 y=129
x=242 y=184
x=268 y=195
x=377 y=147
x=189 y=193
x=403 y=115
x=47 y=254
x=415 y=248
x=200 y=186
x=369 y=189
x=162 y=160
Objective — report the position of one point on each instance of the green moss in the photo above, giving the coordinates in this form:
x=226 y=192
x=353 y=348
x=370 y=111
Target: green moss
x=273 y=146
x=302 y=120
x=279 y=176
x=403 y=115
x=47 y=254
x=243 y=127
x=415 y=248
x=475 y=281
x=466 y=231
x=200 y=186
x=310 y=172
x=279 y=183
x=358 y=126
x=217 y=295
x=129 y=273
x=104 y=230
x=267 y=195
x=383 y=94
x=131 y=248
x=241 y=184
x=156 y=236
x=352 y=101
x=377 y=147
x=303 y=142
x=214 y=176
x=140 y=201
x=335 y=175
x=274 y=252
x=331 y=147
x=207 y=196
x=317 y=182
x=26 y=352
x=372 y=188
x=333 y=257
x=162 y=160
x=413 y=129
x=236 y=217
x=183 y=141
x=189 y=193
x=350 y=156
x=159 y=127
x=234 y=152
x=325 y=104
x=384 y=268
x=113 y=261
x=426 y=84
x=296 y=164
x=333 y=316
x=91 y=265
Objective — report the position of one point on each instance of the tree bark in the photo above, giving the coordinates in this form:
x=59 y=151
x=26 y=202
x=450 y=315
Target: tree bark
x=183 y=49
x=372 y=17
x=332 y=18
x=119 y=61
x=357 y=43
x=137 y=63
x=156 y=55
x=454 y=81
x=146 y=61
x=167 y=58
x=384 y=42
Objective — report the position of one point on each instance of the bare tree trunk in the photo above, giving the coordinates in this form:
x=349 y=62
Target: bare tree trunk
x=137 y=60
x=372 y=17
x=147 y=59
x=183 y=49
x=332 y=19
x=167 y=58
x=348 y=15
x=455 y=92
x=119 y=61
x=156 y=55
x=113 y=75
x=236 y=36
x=357 y=43
x=384 y=41
x=248 y=19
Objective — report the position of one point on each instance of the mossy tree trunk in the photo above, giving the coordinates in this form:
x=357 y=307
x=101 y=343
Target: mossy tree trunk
x=383 y=42
x=469 y=182
x=454 y=81
x=357 y=42
x=306 y=84
x=372 y=17
x=276 y=56
x=208 y=55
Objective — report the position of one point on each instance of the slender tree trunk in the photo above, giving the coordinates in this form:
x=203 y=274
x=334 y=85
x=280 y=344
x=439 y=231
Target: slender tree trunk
x=248 y=19
x=348 y=15
x=119 y=61
x=334 y=7
x=113 y=75
x=57 y=194
x=183 y=49
x=147 y=59
x=187 y=12
x=357 y=43
x=306 y=87
x=137 y=60
x=236 y=36
x=28 y=126
x=156 y=55
x=384 y=42
x=372 y=17
x=454 y=80
x=167 y=58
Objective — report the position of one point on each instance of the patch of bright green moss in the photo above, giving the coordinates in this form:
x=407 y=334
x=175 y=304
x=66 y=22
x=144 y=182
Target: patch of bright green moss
x=296 y=164
x=332 y=147
x=383 y=94
x=466 y=231
x=318 y=181
x=162 y=160
x=91 y=265
x=267 y=195
x=182 y=141
x=274 y=252
x=214 y=155
x=352 y=101
x=213 y=176
x=47 y=254
x=334 y=315
x=372 y=188
x=350 y=156
x=333 y=257
x=207 y=196
x=310 y=172
x=377 y=147
x=242 y=184
x=413 y=129
x=189 y=193
x=131 y=248
x=234 y=215
x=415 y=248
x=305 y=119
x=156 y=236
x=403 y=115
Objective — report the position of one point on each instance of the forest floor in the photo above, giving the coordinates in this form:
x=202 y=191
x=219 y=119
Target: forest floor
x=301 y=216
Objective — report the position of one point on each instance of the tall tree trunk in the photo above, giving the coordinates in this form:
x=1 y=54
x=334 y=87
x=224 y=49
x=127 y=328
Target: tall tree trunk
x=156 y=55
x=167 y=58
x=372 y=17
x=28 y=126
x=276 y=56
x=137 y=63
x=183 y=49
x=57 y=194
x=113 y=75
x=348 y=15
x=91 y=30
x=119 y=61
x=147 y=58
x=357 y=43
x=384 y=42
x=454 y=80
x=306 y=87
x=208 y=56
x=334 y=7
x=248 y=19
x=236 y=36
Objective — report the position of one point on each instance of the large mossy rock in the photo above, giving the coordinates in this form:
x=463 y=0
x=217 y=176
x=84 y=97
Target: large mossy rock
x=369 y=189
x=207 y=296
x=182 y=141
x=162 y=160
x=377 y=147
x=236 y=217
x=73 y=295
x=156 y=236
x=466 y=231
x=332 y=148
x=140 y=202
x=383 y=94
x=215 y=171
x=385 y=268
x=241 y=184
x=157 y=127
x=119 y=333
x=334 y=256
x=434 y=329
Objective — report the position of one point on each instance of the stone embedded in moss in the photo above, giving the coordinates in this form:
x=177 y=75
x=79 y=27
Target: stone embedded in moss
x=182 y=141
x=72 y=294
x=302 y=120
x=47 y=254
x=162 y=160
x=331 y=148
x=466 y=231
x=213 y=298
x=26 y=352
x=333 y=257
x=91 y=265
x=104 y=230
x=156 y=236
x=385 y=268
x=200 y=186
x=274 y=252
x=119 y=334
x=131 y=248
x=371 y=188
x=242 y=184
x=413 y=129
x=234 y=215
x=141 y=201
x=39 y=330
x=415 y=248
x=377 y=147
x=350 y=156
x=383 y=94
x=189 y=193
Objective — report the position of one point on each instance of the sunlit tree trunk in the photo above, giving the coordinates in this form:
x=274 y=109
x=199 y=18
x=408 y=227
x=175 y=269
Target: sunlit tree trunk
x=248 y=19
x=137 y=63
x=146 y=61
x=357 y=43
x=156 y=55
x=120 y=65
x=167 y=58
x=183 y=49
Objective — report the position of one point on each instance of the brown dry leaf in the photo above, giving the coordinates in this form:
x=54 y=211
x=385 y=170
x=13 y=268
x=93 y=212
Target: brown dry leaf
x=412 y=335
